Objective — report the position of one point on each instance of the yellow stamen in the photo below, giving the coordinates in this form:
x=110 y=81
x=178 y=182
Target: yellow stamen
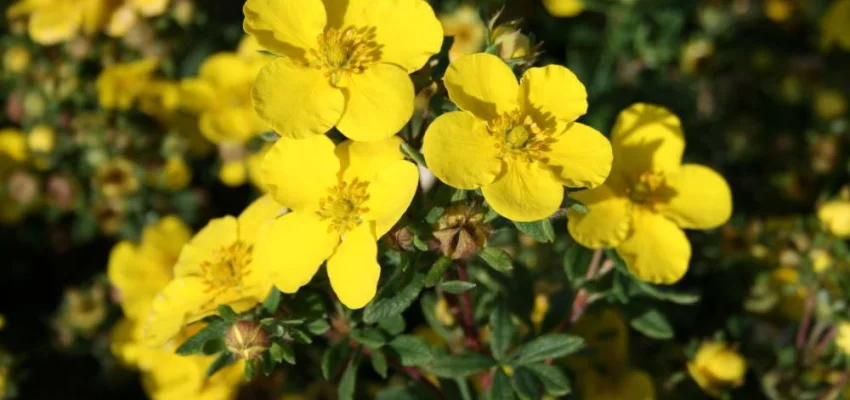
x=227 y=265
x=344 y=205
x=343 y=52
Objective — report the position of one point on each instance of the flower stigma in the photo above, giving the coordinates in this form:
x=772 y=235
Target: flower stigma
x=342 y=52
x=344 y=205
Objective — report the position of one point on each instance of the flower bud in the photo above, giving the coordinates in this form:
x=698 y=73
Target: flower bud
x=512 y=43
x=16 y=59
x=400 y=239
x=462 y=232
x=717 y=367
x=246 y=340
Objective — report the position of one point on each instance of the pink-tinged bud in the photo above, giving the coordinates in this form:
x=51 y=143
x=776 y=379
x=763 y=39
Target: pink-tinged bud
x=246 y=340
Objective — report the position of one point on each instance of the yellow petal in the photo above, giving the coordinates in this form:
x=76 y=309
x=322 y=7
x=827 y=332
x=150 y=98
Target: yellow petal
x=297 y=101
x=285 y=27
x=217 y=233
x=408 y=30
x=835 y=216
x=261 y=212
x=524 y=192
x=482 y=84
x=581 y=156
x=232 y=125
x=57 y=23
x=390 y=194
x=353 y=269
x=657 y=251
x=299 y=172
x=460 y=151
x=564 y=8
x=171 y=309
x=363 y=160
x=647 y=138
x=197 y=95
x=553 y=90
x=703 y=199
x=378 y=103
x=607 y=222
x=290 y=250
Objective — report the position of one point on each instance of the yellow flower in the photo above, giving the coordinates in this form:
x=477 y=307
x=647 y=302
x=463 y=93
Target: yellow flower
x=842 y=340
x=116 y=178
x=233 y=173
x=564 y=8
x=650 y=196
x=518 y=142
x=119 y=85
x=465 y=25
x=13 y=148
x=717 y=368
x=785 y=281
x=630 y=385
x=160 y=99
x=128 y=14
x=342 y=63
x=343 y=199
x=175 y=174
x=830 y=103
x=55 y=21
x=16 y=59
x=221 y=96
x=778 y=10
x=834 y=26
x=215 y=268
x=139 y=271
x=41 y=139
x=607 y=336
x=255 y=165
x=835 y=217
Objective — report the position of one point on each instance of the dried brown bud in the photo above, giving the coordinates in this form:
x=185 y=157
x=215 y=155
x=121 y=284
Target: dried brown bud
x=246 y=340
x=400 y=239
x=462 y=232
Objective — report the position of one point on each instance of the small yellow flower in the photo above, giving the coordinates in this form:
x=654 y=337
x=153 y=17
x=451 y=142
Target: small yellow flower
x=83 y=310
x=607 y=336
x=343 y=199
x=518 y=142
x=216 y=267
x=464 y=24
x=119 y=85
x=342 y=63
x=130 y=12
x=56 y=21
x=835 y=217
x=630 y=385
x=717 y=368
x=16 y=59
x=221 y=96
x=834 y=25
x=116 y=178
x=564 y=8
x=779 y=10
x=139 y=271
x=650 y=196
x=175 y=174
x=160 y=99
x=842 y=340
x=13 y=148
x=41 y=139
x=233 y=173
x=830 y=103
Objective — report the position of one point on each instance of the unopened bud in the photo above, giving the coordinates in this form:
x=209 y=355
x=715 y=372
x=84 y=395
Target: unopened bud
x=462 y=232
x=400 y=239
x=246 y=340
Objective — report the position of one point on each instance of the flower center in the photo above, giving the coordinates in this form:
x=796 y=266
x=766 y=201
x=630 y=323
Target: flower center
x=344 y=205
x=227 y=265
x=648 y=188
x=345 y=51
x=520 y=137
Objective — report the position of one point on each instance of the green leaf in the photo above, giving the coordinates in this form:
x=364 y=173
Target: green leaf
x=554 y=380
x=458 y=196
x=393 y=325
x=501 y=388
x=195 y=344
x=379 y=363
x=459 y=366
x=318 y=326
x=334 y=356
x=456 y=287
x=497 y=258
x=576 y=205
x=501 y=331
x=249 y=371
x=282 y=352
x=220 y=362
x=576 y=262
x=413 y=154
x=412 y=350
x=547 y=347
x=370 y=337
x=270 y=136
x=660 y=294
x=437 y=270
x=346 y=388
x=434 y=215
x=652 y=324
x=227 y=313
x=389 y=304
x=526 y=384
x=542 y=230
x=272 y=301
x=213 y=346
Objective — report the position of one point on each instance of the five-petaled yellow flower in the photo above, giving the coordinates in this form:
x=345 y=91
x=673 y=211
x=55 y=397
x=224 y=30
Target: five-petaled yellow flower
x=342 y=199
x=215 y=268
x=717 y=367
x=518 y=142
x=650 y=196
x=56 y=21
x=342 y=63
x=119 y=85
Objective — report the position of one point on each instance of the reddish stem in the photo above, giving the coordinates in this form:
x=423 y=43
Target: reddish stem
x=807 y=320
x=470 y=331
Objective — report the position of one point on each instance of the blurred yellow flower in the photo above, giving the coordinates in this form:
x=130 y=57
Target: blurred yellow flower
x=779 y=10
x=630 y=385
x=128 y=14
x=233 y=173
x=830 y=103
x=13 y=147
x=717 y=368
x=650 y=196
x=464 y=24
x=564 y=8
x=119 y=85
x=116 y=177
x=160 y=99
x=518 y=142
x=343 y=199
x=842 y=339
x=16 y=59
x=835 y=217
x=221 y=96
x=175 y=174
x=834 y=25
x=41 y=139
x=216 y=267
x=607 y=336
x=55 y=21
x=342 y=64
